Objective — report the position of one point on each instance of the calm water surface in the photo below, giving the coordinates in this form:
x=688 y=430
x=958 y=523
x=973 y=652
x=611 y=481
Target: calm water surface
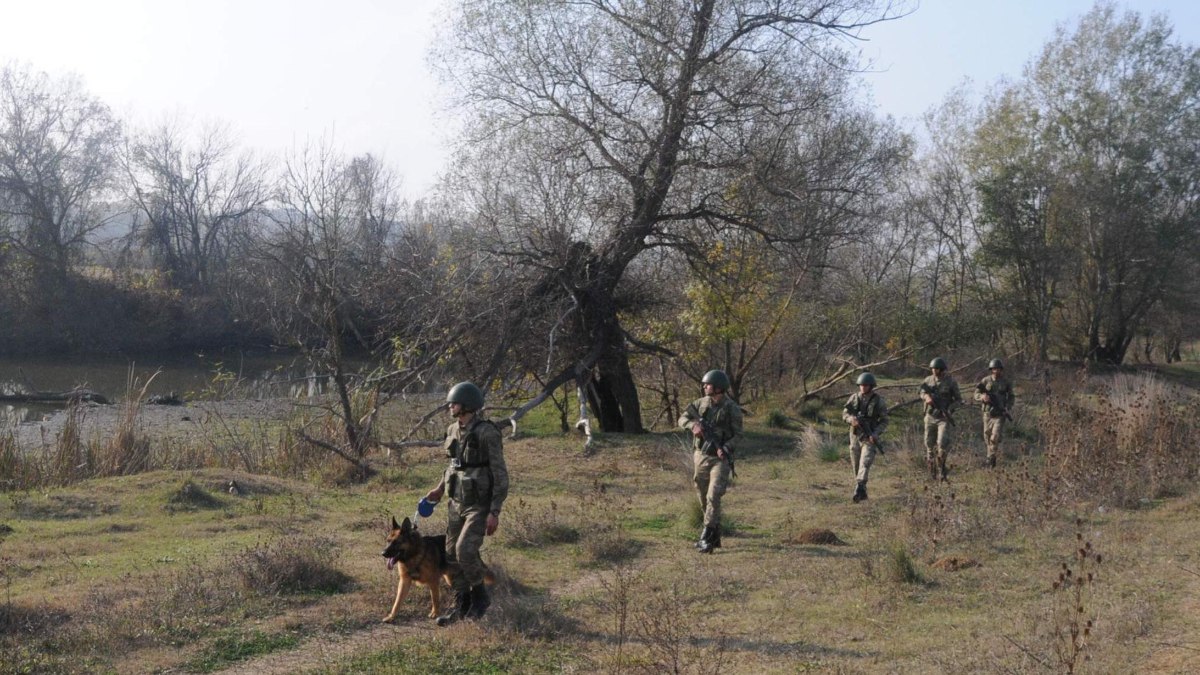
x=192 y=376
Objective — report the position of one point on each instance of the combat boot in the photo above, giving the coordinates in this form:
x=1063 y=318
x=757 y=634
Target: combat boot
x=942 y=470
x=860 y=492
x=703 y=537
x=933 y=467
x=706 y=540
x=991 y=462
x=480 y=601
x=460 y=608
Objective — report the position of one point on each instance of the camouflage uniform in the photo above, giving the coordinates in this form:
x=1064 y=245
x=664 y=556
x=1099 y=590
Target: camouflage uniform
x=937 y=427
x=1000 y=390
x=872 y=407
x=711 y=472
x=477 y=484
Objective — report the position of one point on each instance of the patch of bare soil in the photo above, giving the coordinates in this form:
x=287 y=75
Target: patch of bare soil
x=953 y=563
x=816 y=536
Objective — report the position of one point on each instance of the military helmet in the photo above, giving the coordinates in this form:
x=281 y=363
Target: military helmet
x=718 y=379
x=866 y=378
x=995 y=363
x=467 y=395
x=939 y=362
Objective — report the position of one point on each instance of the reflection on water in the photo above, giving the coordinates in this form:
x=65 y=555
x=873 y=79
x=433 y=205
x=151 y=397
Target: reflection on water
x=190 y=376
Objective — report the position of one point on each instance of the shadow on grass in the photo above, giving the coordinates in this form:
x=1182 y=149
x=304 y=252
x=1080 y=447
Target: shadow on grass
x=772 y=648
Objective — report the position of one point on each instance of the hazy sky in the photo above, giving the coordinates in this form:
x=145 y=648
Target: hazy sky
x=282 y=72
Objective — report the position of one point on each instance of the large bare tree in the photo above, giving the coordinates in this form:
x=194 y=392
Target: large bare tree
x=57 y=151
x=191 y=193
x=604 y=129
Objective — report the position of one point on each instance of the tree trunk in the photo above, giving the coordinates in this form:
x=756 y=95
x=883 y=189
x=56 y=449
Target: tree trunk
x=613 y=394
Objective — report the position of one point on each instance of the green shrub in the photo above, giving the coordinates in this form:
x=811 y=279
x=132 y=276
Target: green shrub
x=901 y=568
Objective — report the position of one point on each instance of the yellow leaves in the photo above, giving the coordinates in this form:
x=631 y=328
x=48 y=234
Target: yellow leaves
x=735 y=292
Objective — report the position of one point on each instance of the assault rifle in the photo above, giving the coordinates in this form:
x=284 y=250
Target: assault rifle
x=865 y=431
x=938 y=404
x=709 y=435
x=995 y=409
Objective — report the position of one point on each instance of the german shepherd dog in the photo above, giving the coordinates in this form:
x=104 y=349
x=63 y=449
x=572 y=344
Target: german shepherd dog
x=421 y=559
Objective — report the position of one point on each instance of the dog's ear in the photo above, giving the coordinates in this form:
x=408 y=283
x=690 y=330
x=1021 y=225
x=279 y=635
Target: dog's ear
x=395 y=525
x=406 y=526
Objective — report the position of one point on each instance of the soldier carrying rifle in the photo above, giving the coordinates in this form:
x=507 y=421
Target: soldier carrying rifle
x=715 y=422
x=866 y=413
x=996 y=396
x=940 y=393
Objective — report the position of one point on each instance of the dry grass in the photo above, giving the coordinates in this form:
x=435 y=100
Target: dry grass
x=596 y=567
x=292 y=564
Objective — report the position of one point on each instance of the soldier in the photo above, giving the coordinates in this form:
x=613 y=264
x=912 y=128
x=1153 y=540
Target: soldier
x=940 y=393
x=715 y=422
x=477 y=480
x=866 y=413
x=996 y=397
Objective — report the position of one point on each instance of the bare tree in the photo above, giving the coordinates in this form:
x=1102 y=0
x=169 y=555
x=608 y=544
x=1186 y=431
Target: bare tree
x=341 y=268
x=191 y=194
x=656 y=116
x=57 y=150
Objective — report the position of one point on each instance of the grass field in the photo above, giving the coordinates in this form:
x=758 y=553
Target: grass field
x=171 y=571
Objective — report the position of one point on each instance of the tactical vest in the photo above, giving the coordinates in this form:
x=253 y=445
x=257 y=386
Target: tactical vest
x=469 y=478
x=870 y=410
x=944 y=393
x=717 y=415
x=1000 y=391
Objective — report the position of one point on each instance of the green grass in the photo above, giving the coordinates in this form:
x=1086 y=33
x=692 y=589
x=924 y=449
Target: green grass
x=654 y=523
x=229 y=649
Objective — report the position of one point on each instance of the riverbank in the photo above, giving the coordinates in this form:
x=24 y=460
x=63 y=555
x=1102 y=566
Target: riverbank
x=192 y=422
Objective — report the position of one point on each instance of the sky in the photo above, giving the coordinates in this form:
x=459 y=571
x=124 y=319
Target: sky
x=282 y=73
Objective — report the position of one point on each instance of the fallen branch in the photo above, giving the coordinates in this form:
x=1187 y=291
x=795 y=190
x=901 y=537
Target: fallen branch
x=73 y=396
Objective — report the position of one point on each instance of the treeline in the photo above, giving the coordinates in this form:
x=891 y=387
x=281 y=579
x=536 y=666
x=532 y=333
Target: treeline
x=642 y=193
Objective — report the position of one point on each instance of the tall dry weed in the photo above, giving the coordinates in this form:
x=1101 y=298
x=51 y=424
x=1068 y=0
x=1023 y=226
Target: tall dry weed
x=69 y=456
x=1064 y=639
x=1021 y=495
x=533 y=527
x=1074 y=617
x=128 y=449
x=603 y=537
x=814 y=442
x=935 y=517
x=666 y=623
x=1120 y=440
x=656 y=622
x=12 y=466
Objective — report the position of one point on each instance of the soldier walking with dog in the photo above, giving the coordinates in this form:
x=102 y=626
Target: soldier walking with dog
x=867 y=414
x=996 y=397
x=716 y=423
x=941 y=395
x=477 y=483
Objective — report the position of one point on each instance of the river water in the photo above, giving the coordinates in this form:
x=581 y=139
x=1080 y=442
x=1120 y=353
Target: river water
x=190 y=376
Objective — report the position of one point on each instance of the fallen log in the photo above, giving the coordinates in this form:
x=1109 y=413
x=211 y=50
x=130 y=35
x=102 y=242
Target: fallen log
x=73 y=396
